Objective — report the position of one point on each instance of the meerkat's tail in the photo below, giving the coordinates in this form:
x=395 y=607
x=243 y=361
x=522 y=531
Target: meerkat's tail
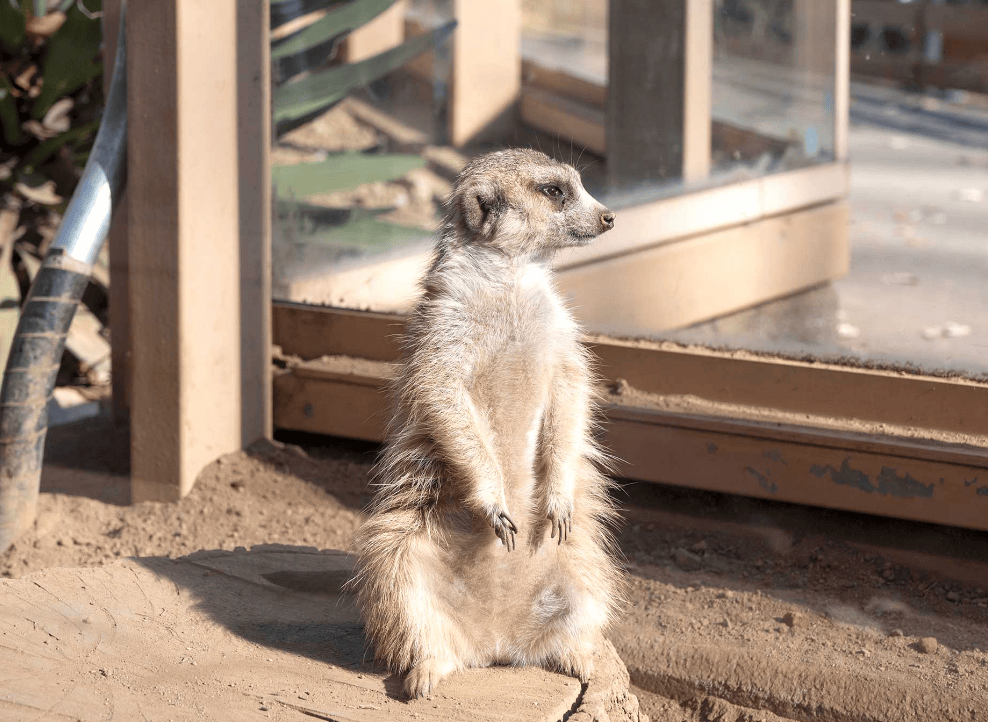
x=384 y=580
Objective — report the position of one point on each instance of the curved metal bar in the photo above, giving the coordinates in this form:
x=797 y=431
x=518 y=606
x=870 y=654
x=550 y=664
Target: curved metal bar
x=39 y=341
x=87 y=219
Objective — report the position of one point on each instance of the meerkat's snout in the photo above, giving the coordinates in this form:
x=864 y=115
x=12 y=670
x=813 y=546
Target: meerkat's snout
x=607 y=220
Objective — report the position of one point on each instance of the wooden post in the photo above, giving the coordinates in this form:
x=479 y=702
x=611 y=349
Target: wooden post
x=384 y=32
x=486 y=67
x=646 y=91
x=698 y=68
x=190 y=321
x=119 y=310
x=254 y=137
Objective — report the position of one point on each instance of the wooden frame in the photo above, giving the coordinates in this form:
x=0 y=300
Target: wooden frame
x=821 y=434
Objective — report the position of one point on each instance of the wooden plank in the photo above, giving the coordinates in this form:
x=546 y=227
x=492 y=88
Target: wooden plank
x=645 y=101
x=563 y=84
x=309 y=332
x=184 y=243
x=565 y=119
x=329 y=406
x=857 y=472
x=486 y=68
x=950 y=408
x=697 y=99
x=678 y=284
x=872 y=483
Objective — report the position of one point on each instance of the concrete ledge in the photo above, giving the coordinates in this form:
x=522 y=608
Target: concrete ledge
x=260 y=634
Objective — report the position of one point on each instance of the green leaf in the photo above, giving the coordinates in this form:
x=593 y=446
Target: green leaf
x=45 y=150
x=320 y=91
x=68 y=63
x=283 y=11
x=335 y=23
x=12 y=27
x=10 y=121
x=341 y=172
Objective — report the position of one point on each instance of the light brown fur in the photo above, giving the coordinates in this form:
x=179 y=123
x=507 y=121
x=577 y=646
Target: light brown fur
x=487 y=540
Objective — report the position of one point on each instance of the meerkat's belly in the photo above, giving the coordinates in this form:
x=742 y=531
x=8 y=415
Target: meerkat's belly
x=513 y=395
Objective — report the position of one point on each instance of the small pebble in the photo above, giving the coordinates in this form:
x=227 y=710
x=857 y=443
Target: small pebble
x=687 y=561
x=927 y=645
x=791 y=619
x=888 y=575
x=895 y=633
x=953 y=597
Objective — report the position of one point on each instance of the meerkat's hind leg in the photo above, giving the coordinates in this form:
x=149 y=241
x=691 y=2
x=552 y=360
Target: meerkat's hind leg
x=577 y=663
x=424 y=676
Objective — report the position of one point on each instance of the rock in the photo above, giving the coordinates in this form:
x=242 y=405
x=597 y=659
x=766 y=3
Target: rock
x=888 y=575
x=953 y=597
x=687 y=561
x=607 y=697
x=927 y=645
x=792 y=619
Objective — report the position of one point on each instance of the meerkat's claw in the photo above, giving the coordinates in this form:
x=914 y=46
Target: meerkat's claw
x=505 y=530
x=561 y=525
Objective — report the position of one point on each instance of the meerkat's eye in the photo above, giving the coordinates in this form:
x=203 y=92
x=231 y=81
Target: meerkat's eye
x=552 y=191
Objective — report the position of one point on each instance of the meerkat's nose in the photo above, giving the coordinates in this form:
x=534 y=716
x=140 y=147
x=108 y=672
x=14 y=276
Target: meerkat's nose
x=607 y=220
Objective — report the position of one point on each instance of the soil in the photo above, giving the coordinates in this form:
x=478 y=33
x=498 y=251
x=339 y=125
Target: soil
x=738 y=609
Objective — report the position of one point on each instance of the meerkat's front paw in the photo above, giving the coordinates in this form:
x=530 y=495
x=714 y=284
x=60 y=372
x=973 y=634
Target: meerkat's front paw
x=561 y=520
x=423 y=678
x=504 y=528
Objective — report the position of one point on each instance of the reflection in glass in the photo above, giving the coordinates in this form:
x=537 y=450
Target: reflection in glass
x=773 y=85
x=377 y=104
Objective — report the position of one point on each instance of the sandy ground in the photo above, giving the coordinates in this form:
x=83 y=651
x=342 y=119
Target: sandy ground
x=738 y=609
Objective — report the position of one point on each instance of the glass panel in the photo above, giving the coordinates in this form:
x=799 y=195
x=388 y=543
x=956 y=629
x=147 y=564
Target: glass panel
x=773 y=85
x=375 y=112
x=915 y=295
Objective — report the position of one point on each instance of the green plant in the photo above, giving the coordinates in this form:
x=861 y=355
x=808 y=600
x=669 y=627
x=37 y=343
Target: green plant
x=51 y=99
x=300 y=95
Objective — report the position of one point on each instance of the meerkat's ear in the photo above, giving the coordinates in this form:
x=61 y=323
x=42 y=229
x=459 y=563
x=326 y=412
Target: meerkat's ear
x=477 y=202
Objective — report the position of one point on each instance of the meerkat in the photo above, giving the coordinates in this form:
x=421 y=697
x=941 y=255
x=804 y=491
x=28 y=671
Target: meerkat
x=487 y=541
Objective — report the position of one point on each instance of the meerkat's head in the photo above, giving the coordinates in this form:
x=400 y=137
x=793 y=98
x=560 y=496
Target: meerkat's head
x=522 y=201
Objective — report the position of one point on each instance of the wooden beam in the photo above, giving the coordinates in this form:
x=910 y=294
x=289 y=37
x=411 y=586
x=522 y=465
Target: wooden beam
x=699 y=68
x=384 y=32
x=646 y=71
x=841 y=470
x=253 y=58
x=119 y=291
x=486 y=68
x=566 y=119
x=188 y=321
x=876 y=401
